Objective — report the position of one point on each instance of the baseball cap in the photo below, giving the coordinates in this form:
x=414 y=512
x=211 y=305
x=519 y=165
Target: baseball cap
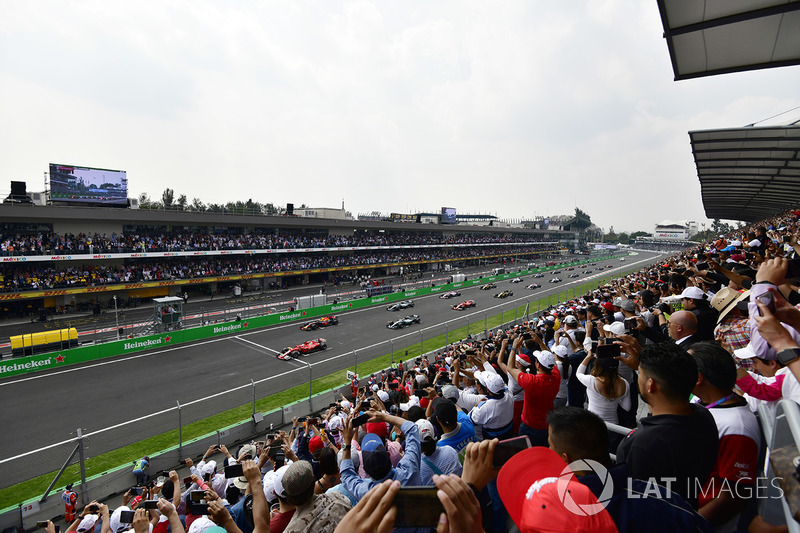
x=201 y=524
x=426 y=430
x=560 y=351
x=412 y=400
x=383 y=395
x=335 y=423
x=248 y=449
x=571 y=320
x=490 y=380
x=445 y=411
x=450 y=392
x=523 y=359
x=88 y=522
x=298 y=478
x=539 y=492
x=546 y=359
x=617 y=328
x=745 y=353
x=114 y=520
x=694 y=293
x=315 y=443
x=376 y=459
x=277 y=481
x=628 y=305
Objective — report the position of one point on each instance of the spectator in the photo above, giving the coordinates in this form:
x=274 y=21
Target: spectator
x=435 y=460
x=606 y=390
x=315 y=513
x=696 y=301
x=457 y=428
x=739 y=438
x=679 y=440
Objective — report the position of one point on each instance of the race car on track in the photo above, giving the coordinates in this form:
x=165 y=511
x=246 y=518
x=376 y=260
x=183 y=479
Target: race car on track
x=574 y=275
x=314 y=345
x=534 y=286
x=516 y=280
x=587 y=271
x=504 y=294
x=464 y=305
x=403 y=322
x=571 y=268
x=555 y=280
x=400 y=305
x=539 y=275
x=488 y=286
x=322 y=322
x=451 y=294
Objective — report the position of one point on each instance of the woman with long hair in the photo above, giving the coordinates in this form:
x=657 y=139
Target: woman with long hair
x=606 y=390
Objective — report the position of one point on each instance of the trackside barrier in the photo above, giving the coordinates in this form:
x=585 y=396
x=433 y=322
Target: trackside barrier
x=83 y=354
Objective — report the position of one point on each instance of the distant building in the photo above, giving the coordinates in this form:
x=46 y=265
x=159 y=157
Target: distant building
x=675 y=230
x=321 y=212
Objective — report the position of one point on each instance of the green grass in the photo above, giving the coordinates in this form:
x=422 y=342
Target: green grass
x=34 y=488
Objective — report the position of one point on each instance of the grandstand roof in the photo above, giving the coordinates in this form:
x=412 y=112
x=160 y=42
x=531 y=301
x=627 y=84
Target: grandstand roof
x=747 y=173
x=680 y=223
x=721 y=36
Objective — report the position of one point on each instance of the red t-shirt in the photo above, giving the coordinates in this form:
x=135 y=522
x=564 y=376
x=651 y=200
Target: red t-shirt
x=280 y=521
x=540 y=392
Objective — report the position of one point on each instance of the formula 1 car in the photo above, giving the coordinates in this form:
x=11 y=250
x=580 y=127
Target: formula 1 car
x=534 y=286
x=322 y=322
x=571 y=268
x=403 y=322
x=504 y=294
x=488 y=286
x=556 y=272
x=400 y=305
x=574 y=275
x=555 y=280
x=587 y=271
x=306 y=348
x=515 y=280
x=539 y=275
x=464 y=305
x=451 y=294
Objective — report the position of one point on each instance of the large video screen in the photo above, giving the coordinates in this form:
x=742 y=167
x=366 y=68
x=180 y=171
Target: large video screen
x=448 y=215
x=69 y=183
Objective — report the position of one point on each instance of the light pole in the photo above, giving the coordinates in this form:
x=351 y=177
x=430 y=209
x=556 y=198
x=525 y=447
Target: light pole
x=116 y=315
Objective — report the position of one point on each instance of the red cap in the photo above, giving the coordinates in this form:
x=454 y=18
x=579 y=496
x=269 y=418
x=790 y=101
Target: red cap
x=378 y=428
x=315 y=444
x=542 y=494
x=608 y=306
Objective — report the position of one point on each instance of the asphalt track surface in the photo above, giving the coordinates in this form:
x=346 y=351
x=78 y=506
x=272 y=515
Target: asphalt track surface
x=44 y=408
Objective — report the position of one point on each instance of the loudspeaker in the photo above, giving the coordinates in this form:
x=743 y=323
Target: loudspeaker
x=18 y=188
x=289 y=208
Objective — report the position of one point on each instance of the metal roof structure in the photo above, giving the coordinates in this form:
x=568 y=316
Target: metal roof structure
x=708 y=37
x=747 y=173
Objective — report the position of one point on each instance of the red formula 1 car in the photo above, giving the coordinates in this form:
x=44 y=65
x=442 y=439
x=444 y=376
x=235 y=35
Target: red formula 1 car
x=306 y=348
x=322 y=322
x=464 y=305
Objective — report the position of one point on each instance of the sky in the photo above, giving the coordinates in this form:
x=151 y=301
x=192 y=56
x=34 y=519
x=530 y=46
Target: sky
x=514 y=108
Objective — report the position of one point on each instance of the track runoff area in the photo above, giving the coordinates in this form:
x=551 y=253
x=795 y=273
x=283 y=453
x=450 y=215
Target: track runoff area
x=45 y=408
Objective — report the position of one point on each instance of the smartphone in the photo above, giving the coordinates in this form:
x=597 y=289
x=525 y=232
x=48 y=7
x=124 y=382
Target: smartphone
x=768 y=300
x=361 y=420
x=280 y=458
x=417 y=507
x=595 y=344
x=301 y=419
x=605 y=351
x=630 y=323
x=137 y=491
x=506 y=449
x=420 y=393
x=165 y=473
x=393 y=385
x=93 y=508
x=126 y=517
x=313 y=421
x=701 y=266
x=272 y=436
x=42 y=523
x=333 y=405
x=234 y=471
x=151 y=504
x=187 y=482
x=197 y=495
x=198 y=508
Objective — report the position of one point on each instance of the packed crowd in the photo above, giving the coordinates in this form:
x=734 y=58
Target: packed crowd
x=50 y=243
x=33 y=276
x=513 y=429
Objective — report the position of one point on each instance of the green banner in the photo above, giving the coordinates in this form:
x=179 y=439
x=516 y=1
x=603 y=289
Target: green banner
x=34 y=363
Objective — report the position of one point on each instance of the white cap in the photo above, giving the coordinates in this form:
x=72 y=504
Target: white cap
x=745 y=353
x=490 y=380
x=412 y=401
x=383 y=395
x=426 y=430
x=694 y=293
x=375 y=387
x=277 y=481
x=88 y=522
x=561 y=351
x=546 y=359
x=617 y=328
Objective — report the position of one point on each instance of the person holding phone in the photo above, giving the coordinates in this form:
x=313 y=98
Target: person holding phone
x=606 y=390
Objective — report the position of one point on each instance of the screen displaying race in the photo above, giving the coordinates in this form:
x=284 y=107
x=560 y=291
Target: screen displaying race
x=69 y=183
x=448 y=215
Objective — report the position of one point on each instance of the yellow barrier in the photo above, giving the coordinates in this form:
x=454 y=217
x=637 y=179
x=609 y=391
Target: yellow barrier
x=31 y=343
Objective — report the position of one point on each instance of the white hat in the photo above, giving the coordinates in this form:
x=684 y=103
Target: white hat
x=201 y=524
x=426 y=430
x=209 y=468
x=561 y=351
x=269 y=485
x=345 y=404
x=493 y=382
x=375 y=387
x=412 y=401
x=570 y=319
x=617 y=328
x=736 y=242
x=113 y=521
x=546 y=359
x=745 y=353
x=335 y=423
x=383 y=395
x=277 y=481
x=694 y=293
x=88 y=522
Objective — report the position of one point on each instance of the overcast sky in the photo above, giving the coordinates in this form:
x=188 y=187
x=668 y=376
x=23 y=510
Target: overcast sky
x=513 y=108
